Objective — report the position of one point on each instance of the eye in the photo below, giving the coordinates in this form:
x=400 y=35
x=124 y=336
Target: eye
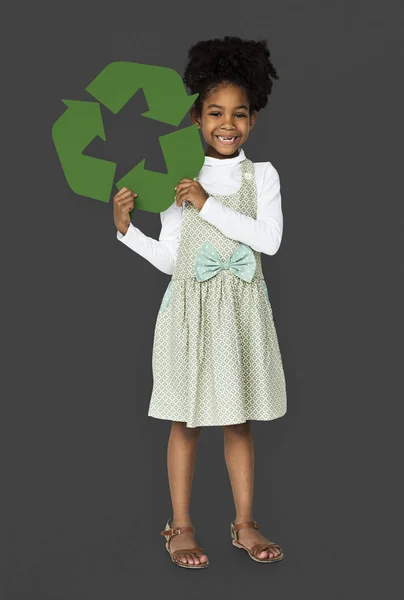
x=239 y=114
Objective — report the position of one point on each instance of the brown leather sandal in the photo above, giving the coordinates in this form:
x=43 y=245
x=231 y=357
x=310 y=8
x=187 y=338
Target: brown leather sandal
x=257 y=548
x=169 y=533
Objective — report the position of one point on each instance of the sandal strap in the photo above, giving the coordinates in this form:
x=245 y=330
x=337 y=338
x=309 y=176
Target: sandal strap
x=176 y=531
x=245 y=524
x=196 y=550
x=258 y=548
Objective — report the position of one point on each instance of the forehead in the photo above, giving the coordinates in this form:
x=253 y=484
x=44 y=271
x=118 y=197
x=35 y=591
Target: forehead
x=227 y=97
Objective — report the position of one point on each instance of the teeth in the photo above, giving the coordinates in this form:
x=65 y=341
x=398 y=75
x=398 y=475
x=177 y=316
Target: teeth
x=226 y=139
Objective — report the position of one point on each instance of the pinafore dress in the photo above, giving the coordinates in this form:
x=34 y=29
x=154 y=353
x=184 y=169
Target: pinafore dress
x=216 y=358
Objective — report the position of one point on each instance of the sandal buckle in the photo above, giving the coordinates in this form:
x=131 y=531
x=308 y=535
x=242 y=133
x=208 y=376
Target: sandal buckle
x=176 y=531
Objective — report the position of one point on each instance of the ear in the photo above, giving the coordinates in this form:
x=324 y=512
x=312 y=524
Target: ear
x=194 y=118
x=253 y=119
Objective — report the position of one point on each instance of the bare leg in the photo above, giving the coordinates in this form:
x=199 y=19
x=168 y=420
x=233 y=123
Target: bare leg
x=239 y=456
x=181 y=454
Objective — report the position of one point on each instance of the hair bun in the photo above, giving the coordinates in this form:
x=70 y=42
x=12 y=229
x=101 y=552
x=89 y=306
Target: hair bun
x=232 y=60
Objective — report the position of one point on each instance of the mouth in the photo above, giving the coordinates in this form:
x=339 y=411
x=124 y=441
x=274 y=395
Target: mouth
x=227 y=142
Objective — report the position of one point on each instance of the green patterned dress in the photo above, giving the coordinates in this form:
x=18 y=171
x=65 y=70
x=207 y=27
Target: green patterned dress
x=216 y=358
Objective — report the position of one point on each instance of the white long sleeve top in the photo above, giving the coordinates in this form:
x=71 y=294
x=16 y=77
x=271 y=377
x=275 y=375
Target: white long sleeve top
x=221 y=177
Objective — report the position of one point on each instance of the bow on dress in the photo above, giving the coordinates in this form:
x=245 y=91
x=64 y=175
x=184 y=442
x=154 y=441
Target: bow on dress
x=208 y=263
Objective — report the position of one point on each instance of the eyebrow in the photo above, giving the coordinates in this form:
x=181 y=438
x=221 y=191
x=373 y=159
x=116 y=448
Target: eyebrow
x=218 y=106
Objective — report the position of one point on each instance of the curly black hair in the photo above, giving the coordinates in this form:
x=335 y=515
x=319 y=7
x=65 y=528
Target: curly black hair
x=215 y=63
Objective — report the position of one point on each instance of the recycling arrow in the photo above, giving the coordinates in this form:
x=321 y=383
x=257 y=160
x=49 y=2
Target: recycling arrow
x=82 y=122
x=156 y=190
x=163 y=89
x=72 y=133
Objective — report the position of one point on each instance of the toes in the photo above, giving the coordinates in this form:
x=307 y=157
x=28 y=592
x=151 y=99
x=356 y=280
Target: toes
x=187 y=559
x=271 y=553
x=183 y=558
x=191 y=558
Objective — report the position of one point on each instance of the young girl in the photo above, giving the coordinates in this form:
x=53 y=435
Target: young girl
x=216 y=359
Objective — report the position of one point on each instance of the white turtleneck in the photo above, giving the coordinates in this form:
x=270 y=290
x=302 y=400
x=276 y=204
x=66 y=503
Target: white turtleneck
x=221 y=177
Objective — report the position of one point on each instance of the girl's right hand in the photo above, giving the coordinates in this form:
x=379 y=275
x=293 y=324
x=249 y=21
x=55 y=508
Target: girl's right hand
x=124 y=202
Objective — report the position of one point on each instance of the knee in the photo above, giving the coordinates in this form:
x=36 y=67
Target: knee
x=189 y=431
x=237 y=429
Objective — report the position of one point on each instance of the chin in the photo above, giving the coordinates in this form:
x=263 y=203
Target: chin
x=226 y=149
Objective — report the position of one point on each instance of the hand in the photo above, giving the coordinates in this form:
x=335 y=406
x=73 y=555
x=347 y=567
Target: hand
x=192 y=191
x=123 y=203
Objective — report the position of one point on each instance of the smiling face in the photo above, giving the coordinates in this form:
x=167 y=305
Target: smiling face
x=225 y=113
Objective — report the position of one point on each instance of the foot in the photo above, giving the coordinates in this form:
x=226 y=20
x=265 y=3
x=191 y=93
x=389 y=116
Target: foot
x=248 y=536
x=185 y=540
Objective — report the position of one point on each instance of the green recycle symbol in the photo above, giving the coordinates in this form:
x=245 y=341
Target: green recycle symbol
x=113 y=87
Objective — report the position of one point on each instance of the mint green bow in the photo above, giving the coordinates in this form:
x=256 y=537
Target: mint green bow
x=208 y=263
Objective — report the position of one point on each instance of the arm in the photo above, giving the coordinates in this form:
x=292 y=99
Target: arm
x=262 y=234
x=161 y=253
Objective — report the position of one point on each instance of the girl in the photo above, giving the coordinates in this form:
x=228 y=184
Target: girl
x=216 y=359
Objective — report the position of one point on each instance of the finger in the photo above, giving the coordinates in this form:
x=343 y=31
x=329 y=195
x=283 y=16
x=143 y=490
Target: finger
x=126 y=207
x=184 y=196
x=127 y=203
x=181 y=189
x=126 y=195
x=122 y=191
x=182 y=186
x=179 y=200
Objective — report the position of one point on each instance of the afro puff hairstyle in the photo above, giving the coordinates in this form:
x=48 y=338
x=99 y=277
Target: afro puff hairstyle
x=232 y=61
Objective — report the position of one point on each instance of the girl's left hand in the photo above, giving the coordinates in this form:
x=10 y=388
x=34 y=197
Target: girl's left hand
x=188 y=189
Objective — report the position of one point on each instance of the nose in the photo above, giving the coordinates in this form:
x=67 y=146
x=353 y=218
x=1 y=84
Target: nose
x=227 y=122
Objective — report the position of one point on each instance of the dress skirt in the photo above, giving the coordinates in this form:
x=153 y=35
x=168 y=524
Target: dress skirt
x=216 y=358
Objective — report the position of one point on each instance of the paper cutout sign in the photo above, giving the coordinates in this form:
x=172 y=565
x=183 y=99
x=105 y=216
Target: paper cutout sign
x=168 y=102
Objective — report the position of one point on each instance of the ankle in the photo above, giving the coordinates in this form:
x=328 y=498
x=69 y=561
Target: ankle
x=243 y=519
x=181 y=521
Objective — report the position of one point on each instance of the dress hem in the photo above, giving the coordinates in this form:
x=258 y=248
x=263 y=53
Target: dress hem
x=217 y=424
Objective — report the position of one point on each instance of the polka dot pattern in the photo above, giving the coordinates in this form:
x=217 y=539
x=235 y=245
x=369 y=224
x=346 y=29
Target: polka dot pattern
x=216 y=358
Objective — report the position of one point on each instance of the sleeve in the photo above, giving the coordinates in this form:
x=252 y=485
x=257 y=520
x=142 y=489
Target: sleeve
x=161 y=253
x=263 y=234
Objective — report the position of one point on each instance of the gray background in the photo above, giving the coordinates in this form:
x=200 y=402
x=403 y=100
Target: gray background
x=84 y=488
